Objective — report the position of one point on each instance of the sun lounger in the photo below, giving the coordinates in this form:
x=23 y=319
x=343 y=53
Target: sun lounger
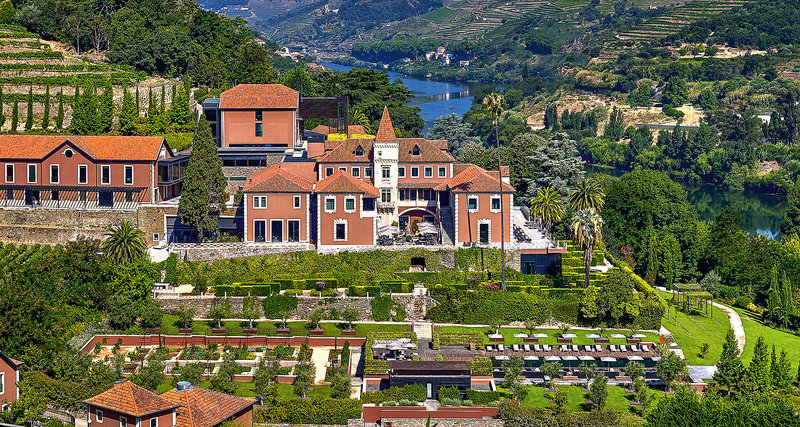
x=500 y=347
x=526 y=347
x=614 y=348
x=489 y=348
x=547 y=347
x=515 y=347
x=635 y=348
x=575 y=348
x=645 y=348
x=623 y=348
x=537 y=347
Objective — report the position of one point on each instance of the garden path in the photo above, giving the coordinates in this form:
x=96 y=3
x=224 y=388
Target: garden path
x=736 y=324
x=423 y=330
x=319 y=357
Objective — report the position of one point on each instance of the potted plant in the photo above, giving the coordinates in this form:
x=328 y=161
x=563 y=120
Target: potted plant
x=185 y=317
x=314 y=319
x=350 y=315
x=250 y=312
x=217 y=313
x=562 y=339
x=602 y=339
x=530 y=325
x=151 y=318
x=283 y=330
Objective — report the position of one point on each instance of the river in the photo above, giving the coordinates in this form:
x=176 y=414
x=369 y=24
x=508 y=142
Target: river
x=761 y=213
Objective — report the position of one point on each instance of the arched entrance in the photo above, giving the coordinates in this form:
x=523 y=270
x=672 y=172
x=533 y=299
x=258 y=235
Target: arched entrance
x=410 y=216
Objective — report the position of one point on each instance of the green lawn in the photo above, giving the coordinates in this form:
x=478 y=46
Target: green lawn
x=692 y=332
x=245 y=389
x=618 y=399
x=169 y=326
x=753 y=328
x=508 y=335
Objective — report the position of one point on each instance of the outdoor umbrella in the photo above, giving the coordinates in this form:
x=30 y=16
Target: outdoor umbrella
x=552 y=358
x=608 y=360
x=531 y=358
x=521 y=335
x=388 y=230
x=426 y=228
x=502 y=358
x=617 y=336
x=569 y=359
x=655 y=358
x=540 y=335
x=592 y=336
x=639 y=336
x=495 y=336
x=586 y=358
x=635 y=358
x=569 y=336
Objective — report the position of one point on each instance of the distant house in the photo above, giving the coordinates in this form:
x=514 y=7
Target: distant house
x=9 y=377
x=128 y=405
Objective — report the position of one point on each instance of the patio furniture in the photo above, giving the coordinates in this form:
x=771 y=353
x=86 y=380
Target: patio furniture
x=614 y=348
x=575 y=348
x=526 y=347
x=547 y=347
x=562 y=347
x=623 y=347
x=645 y=347
x=501 y=347
x=635 y=348
x=515 y=347
x=489 y=348
x=537 y=347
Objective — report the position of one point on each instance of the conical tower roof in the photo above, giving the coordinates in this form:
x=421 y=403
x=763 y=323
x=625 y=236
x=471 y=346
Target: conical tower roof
x=385 y=129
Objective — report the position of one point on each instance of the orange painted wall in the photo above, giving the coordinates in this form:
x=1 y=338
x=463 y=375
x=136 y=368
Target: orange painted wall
x=422 y=166
x=360 y=231
x=468 y=221
x=9 y=383
x=239 y=127
x=322 y=169
x=111 y=418
x=279 y=207
x=243 y=418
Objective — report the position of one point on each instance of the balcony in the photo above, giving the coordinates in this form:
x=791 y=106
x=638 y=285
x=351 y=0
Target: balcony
x=385 y=206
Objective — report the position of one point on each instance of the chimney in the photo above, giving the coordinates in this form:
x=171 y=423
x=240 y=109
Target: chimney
x=183 y=385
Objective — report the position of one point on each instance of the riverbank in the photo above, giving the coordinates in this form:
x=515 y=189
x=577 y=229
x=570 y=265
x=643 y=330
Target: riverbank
x=445 y=74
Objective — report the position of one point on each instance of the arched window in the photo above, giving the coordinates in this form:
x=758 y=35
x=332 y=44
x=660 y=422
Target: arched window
x=415 y=150
x=359 y=151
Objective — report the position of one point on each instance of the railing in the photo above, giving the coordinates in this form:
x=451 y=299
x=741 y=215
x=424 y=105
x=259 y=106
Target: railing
x=386 y=205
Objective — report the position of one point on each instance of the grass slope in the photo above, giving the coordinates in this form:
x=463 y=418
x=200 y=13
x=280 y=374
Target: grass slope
x=692 y=331
x=753 y=328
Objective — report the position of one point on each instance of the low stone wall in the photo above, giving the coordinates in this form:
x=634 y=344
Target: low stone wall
x=212 y=252
x=57 y=226
x=441 y=422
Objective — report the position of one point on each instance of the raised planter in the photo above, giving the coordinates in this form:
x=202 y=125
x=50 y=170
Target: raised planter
x=634 y=340
x=498 y=339
x=349 y=333
x=316 y=332
x=283 y=331
x=250 y=331
x=153 y=330
x=185 y=330
x=531 y=340
x=602 y=340
x=218 y=330
x=561 y=340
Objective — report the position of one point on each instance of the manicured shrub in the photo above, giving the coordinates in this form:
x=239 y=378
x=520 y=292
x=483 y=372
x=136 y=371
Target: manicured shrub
x=315 y=411
x=449 y=393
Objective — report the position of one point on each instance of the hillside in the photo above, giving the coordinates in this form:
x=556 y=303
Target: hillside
x=28 y=63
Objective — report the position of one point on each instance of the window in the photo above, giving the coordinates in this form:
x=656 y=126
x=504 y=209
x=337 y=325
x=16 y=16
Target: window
x=427 y=195
x=129 y=196
x=296 y=202
x=328 y=171
x=259 y=115
x=442 y=172
x=368 y=204
x=340 y=231
x=31 y=174
x=99 y=415
x=9 y=196
x=83 y=174
x=155 y=237
x=54 y=195
x=428 y=172
x=293 y=230
x=123 y=422
x=359 y=151
x=495 y=203
x=386 y=173
x=415 y=172
x=259 y=202
x=415 y=150
x=68 y=153
x=412 y=194
x=154 y=422
x=330 y=204
x=105 y=174
x=386 y=195
x=355 y=171
x=472 y=203
x=54 y=174
x=367 y=172
x=402 y=194
x=259 y=129
x=350 y=204
x=128 y=175
x=9 y=172
x=401 y=172
x=82 y=196
x=2 y=382
x=483 y=232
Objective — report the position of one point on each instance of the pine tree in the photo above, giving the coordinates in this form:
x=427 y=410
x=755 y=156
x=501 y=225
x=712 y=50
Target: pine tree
x=128 y=116
x=2 y=105
x=781 y=373
x=729 y=368
x=85 y=116
x=787 y=295
x=29 y=117
x=46 y=116
x=15 y=115
x=773 y=296
x=652 y=253
x=615 y=126
x=106 y=113
x=60 y=113
x=203 y=191
x=551 y=116
x=180 y=114
x=758 y=373
x=138 y=106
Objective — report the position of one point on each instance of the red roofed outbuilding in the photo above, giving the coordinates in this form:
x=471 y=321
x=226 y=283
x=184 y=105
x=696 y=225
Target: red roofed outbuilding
x=278 y=204
x=9 y=377
x=346 y=211
x=259 y=115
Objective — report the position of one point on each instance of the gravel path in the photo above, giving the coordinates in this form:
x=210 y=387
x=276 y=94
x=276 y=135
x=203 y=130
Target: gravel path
x=736 y=324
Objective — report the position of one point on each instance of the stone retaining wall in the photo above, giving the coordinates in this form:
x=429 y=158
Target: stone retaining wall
x=54 y=226
x=442 y=422
x=236 y=250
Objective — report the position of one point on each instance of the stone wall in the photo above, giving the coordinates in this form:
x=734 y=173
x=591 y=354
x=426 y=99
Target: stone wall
x=442 y=422
x=150 y=220
x=212 y=252
x=54 y=226
x=415 y=306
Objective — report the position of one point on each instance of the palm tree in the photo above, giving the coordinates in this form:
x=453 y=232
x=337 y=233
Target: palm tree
x=586 y=230
x=548 y=206
x=124 y=243
x=587 y=195
x=357 y=117
x=494 y=104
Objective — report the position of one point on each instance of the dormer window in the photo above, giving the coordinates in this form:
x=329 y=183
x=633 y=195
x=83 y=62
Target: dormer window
x=415 y=150
x=359 y=151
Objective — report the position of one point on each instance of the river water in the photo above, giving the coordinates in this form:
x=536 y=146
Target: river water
x=761 y=213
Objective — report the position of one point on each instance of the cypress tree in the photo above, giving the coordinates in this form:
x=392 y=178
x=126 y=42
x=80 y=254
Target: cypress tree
x=15 y=115
x=652 y=254
x=729 y=368
x=203 y=192
x=2 y=112
x=774 y=296
x=138 y=106
x=163 y=107
x=180 y=115
x=60 y=113
x=106 y=113
x=46 y=116
x=758 y=373
x=85 y=118
x=128 y=116
x=29 y=117
x=550 y=116
x=152 y=108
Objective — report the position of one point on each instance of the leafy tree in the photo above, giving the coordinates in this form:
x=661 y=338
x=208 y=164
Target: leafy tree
x=128 y=116
x=598 y=391
x=46 y=114
x=203 y=192
x=340 y=385
x=357 y=117
x=122 y=312
x=675 y=92
x=587 y=232
x=670 y=253
x=151 y=375
x=265 y=373
x=642 y=96
x=217 y=312
x=250 y=309
x=791 y=219
x=151 y=314
x=641 y=141
x=15 y=116
x=152 y=105
x=551 y=369
x=513 y=374
x=671 y=368
x=493 y=105
x=124 y=243
x=298 y=79
x=551 y=116
x=350 y=315
x=304 y=372
x=454 y=130
x=315 y=317
x=60 y=112
x=588 y=194
x=548 y=206
x=7 y=12
x=223 y=381
x=29 y=115
x=185 y=316
x=634 y=370
x=615 y=127
x=190 y=372
x=614 y=303
x=707 y=100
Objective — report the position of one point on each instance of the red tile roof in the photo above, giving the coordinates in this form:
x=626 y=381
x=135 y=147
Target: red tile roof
x=128 y=398
x=13 y=362
x=385 y=129
x=98 y=147
x=429 y=151
x=351 y=129
x=473 y=179
x=277 y=179
x=204 y=408
x=343 y=182
x=260 y=96
x=345 y=151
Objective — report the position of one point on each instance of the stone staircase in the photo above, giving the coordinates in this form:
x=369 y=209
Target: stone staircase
x=448 y=226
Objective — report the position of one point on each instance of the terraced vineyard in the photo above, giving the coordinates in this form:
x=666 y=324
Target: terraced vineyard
x=669 y=23
x=28 y=63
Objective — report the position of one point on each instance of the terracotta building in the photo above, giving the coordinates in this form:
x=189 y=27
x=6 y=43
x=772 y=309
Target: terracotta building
x=128 y=405
x=9 y=377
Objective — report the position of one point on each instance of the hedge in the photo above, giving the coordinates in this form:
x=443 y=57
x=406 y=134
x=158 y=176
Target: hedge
x=652 y=310
x=449 y=393
x=481 y=366
x=362 y=291
x=244 y=289
x=457 y=338
x=312 y=411
x=412 y=392
x=491 y=307
x=487 y=397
